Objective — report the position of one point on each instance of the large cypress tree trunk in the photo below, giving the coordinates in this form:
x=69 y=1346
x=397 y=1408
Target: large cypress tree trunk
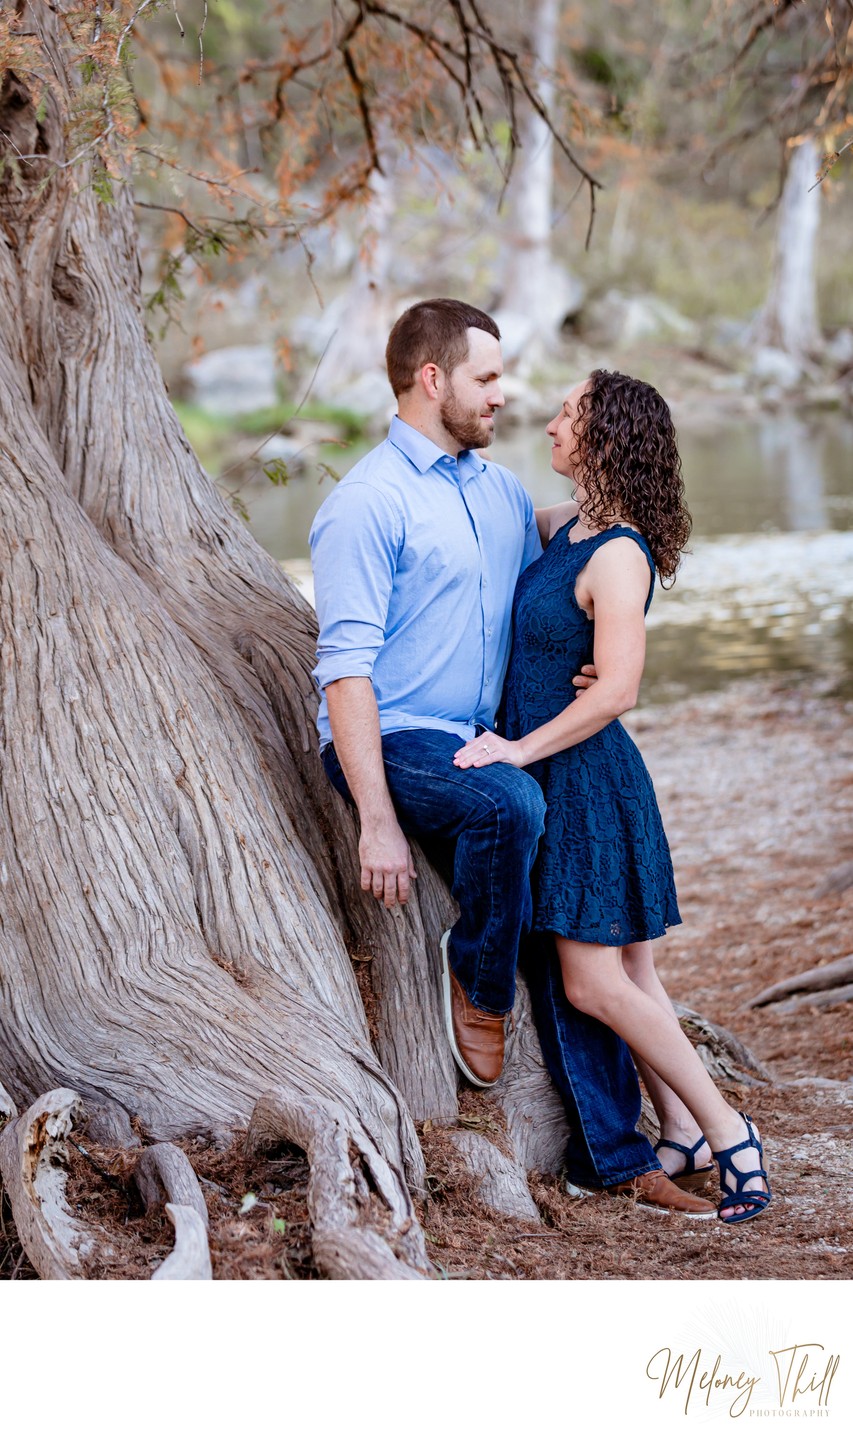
x=180 y=883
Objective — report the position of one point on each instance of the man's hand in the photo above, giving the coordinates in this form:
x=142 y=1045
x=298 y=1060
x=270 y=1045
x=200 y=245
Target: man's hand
x=586 y=678
x=386 y=863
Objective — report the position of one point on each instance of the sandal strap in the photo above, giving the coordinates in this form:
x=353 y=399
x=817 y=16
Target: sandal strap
x=723 y=1158
x=689 y=1154
x=754 y=1202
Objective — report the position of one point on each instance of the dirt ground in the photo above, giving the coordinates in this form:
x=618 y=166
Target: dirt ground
x=756 y=787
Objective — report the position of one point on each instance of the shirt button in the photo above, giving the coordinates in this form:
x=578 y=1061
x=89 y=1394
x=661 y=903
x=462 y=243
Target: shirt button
x=488 y=633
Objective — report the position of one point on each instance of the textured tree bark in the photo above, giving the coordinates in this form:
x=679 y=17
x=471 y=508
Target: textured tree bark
x=180 y=885
x=349 y=1178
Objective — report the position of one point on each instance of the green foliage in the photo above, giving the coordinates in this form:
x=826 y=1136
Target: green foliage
x=102 y=185
x=277 y=471
x=200 y=243
x=619 y=74
x=276 y=418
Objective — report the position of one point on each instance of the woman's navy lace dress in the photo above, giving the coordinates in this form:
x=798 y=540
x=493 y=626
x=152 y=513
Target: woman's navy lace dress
x=603 y=874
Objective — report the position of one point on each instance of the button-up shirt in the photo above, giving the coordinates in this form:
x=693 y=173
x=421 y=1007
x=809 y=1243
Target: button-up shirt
x=416 y=556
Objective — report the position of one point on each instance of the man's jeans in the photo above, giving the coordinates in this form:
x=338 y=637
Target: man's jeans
x=494 y=818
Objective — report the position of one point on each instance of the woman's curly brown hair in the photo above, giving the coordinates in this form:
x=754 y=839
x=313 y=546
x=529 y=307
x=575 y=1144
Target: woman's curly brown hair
x=626 y=458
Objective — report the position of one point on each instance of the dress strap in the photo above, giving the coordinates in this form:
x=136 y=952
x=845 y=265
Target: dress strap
x=620 y=531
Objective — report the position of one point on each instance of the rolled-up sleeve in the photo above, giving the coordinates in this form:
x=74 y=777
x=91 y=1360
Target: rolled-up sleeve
x=355 y=542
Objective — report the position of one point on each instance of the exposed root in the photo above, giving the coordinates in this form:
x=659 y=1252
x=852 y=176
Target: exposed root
x=7 y=1107
x=33 y=1158
x=352 y=1190
x=502 y=1181
x=109 y=1124
x=727 y=1059
x=190 y=1259
x=164 y=1174
x=832 y=981
x=535 y=1115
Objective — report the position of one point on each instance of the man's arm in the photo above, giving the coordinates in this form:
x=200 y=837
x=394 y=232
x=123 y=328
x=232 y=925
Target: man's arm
x=386 y=860
x=354 y=547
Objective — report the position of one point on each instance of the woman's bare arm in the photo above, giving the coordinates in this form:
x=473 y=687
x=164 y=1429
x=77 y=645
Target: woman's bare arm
x=549 y=520
x=616 y=583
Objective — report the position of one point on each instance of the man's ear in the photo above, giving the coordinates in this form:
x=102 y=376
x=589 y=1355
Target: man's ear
x=430 y=379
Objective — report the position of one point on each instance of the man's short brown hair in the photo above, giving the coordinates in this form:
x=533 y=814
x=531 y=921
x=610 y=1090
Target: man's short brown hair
x=432 y=332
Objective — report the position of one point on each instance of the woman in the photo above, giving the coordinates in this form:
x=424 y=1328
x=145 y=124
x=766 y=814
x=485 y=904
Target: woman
x=604 y=884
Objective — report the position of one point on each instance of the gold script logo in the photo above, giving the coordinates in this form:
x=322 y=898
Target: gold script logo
x=801 y=1371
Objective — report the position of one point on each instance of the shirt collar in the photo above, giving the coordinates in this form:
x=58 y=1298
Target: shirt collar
x=424 y=454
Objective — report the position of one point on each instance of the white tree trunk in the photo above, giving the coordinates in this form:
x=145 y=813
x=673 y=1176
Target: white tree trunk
x=357 y=347
x=788 y=320
x=537 y=286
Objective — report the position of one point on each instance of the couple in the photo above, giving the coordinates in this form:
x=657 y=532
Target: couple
x=431 y=586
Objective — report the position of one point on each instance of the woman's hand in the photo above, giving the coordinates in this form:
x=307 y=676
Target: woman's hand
x=489 y=748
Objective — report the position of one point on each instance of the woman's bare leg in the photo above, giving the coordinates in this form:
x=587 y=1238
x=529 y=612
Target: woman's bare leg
x=677 y=1123
x=596 y=982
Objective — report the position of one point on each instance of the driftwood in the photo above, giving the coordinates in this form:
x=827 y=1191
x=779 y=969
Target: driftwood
x=189 y=1260
x=33 y=1158
x=724 y=1055
x=836 y=977
x=362 y=1217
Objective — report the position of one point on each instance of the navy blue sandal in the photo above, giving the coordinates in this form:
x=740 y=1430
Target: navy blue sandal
x=691 y=1178
x=755 y=1202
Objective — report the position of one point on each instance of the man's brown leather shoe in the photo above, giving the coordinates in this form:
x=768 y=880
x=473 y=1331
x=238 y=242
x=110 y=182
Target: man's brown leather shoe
x=476 y=1038
x=655 y=1190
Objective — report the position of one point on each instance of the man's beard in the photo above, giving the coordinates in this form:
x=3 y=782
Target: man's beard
x=466 y=426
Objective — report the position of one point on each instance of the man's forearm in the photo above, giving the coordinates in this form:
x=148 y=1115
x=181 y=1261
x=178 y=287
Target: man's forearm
x=354 y=721
x=386 y=861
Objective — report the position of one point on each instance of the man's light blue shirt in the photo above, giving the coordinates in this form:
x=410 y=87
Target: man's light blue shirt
x=416 y=556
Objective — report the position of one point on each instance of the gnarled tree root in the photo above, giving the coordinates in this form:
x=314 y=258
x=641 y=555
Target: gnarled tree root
x=817 y=987
x=189 y=1260
x=165 y=1175
x=502 y=1180
x=352 y=1190
x=33 y=1157
x=725 y=1056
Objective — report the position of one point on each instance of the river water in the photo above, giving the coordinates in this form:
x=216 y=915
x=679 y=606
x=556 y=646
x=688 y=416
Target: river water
x=768 y=585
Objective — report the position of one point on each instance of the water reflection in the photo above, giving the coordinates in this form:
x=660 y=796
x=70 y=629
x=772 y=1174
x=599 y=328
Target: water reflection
x=768 y=586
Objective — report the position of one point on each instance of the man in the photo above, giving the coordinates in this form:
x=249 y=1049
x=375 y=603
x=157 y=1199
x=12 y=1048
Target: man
x=416 y=556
